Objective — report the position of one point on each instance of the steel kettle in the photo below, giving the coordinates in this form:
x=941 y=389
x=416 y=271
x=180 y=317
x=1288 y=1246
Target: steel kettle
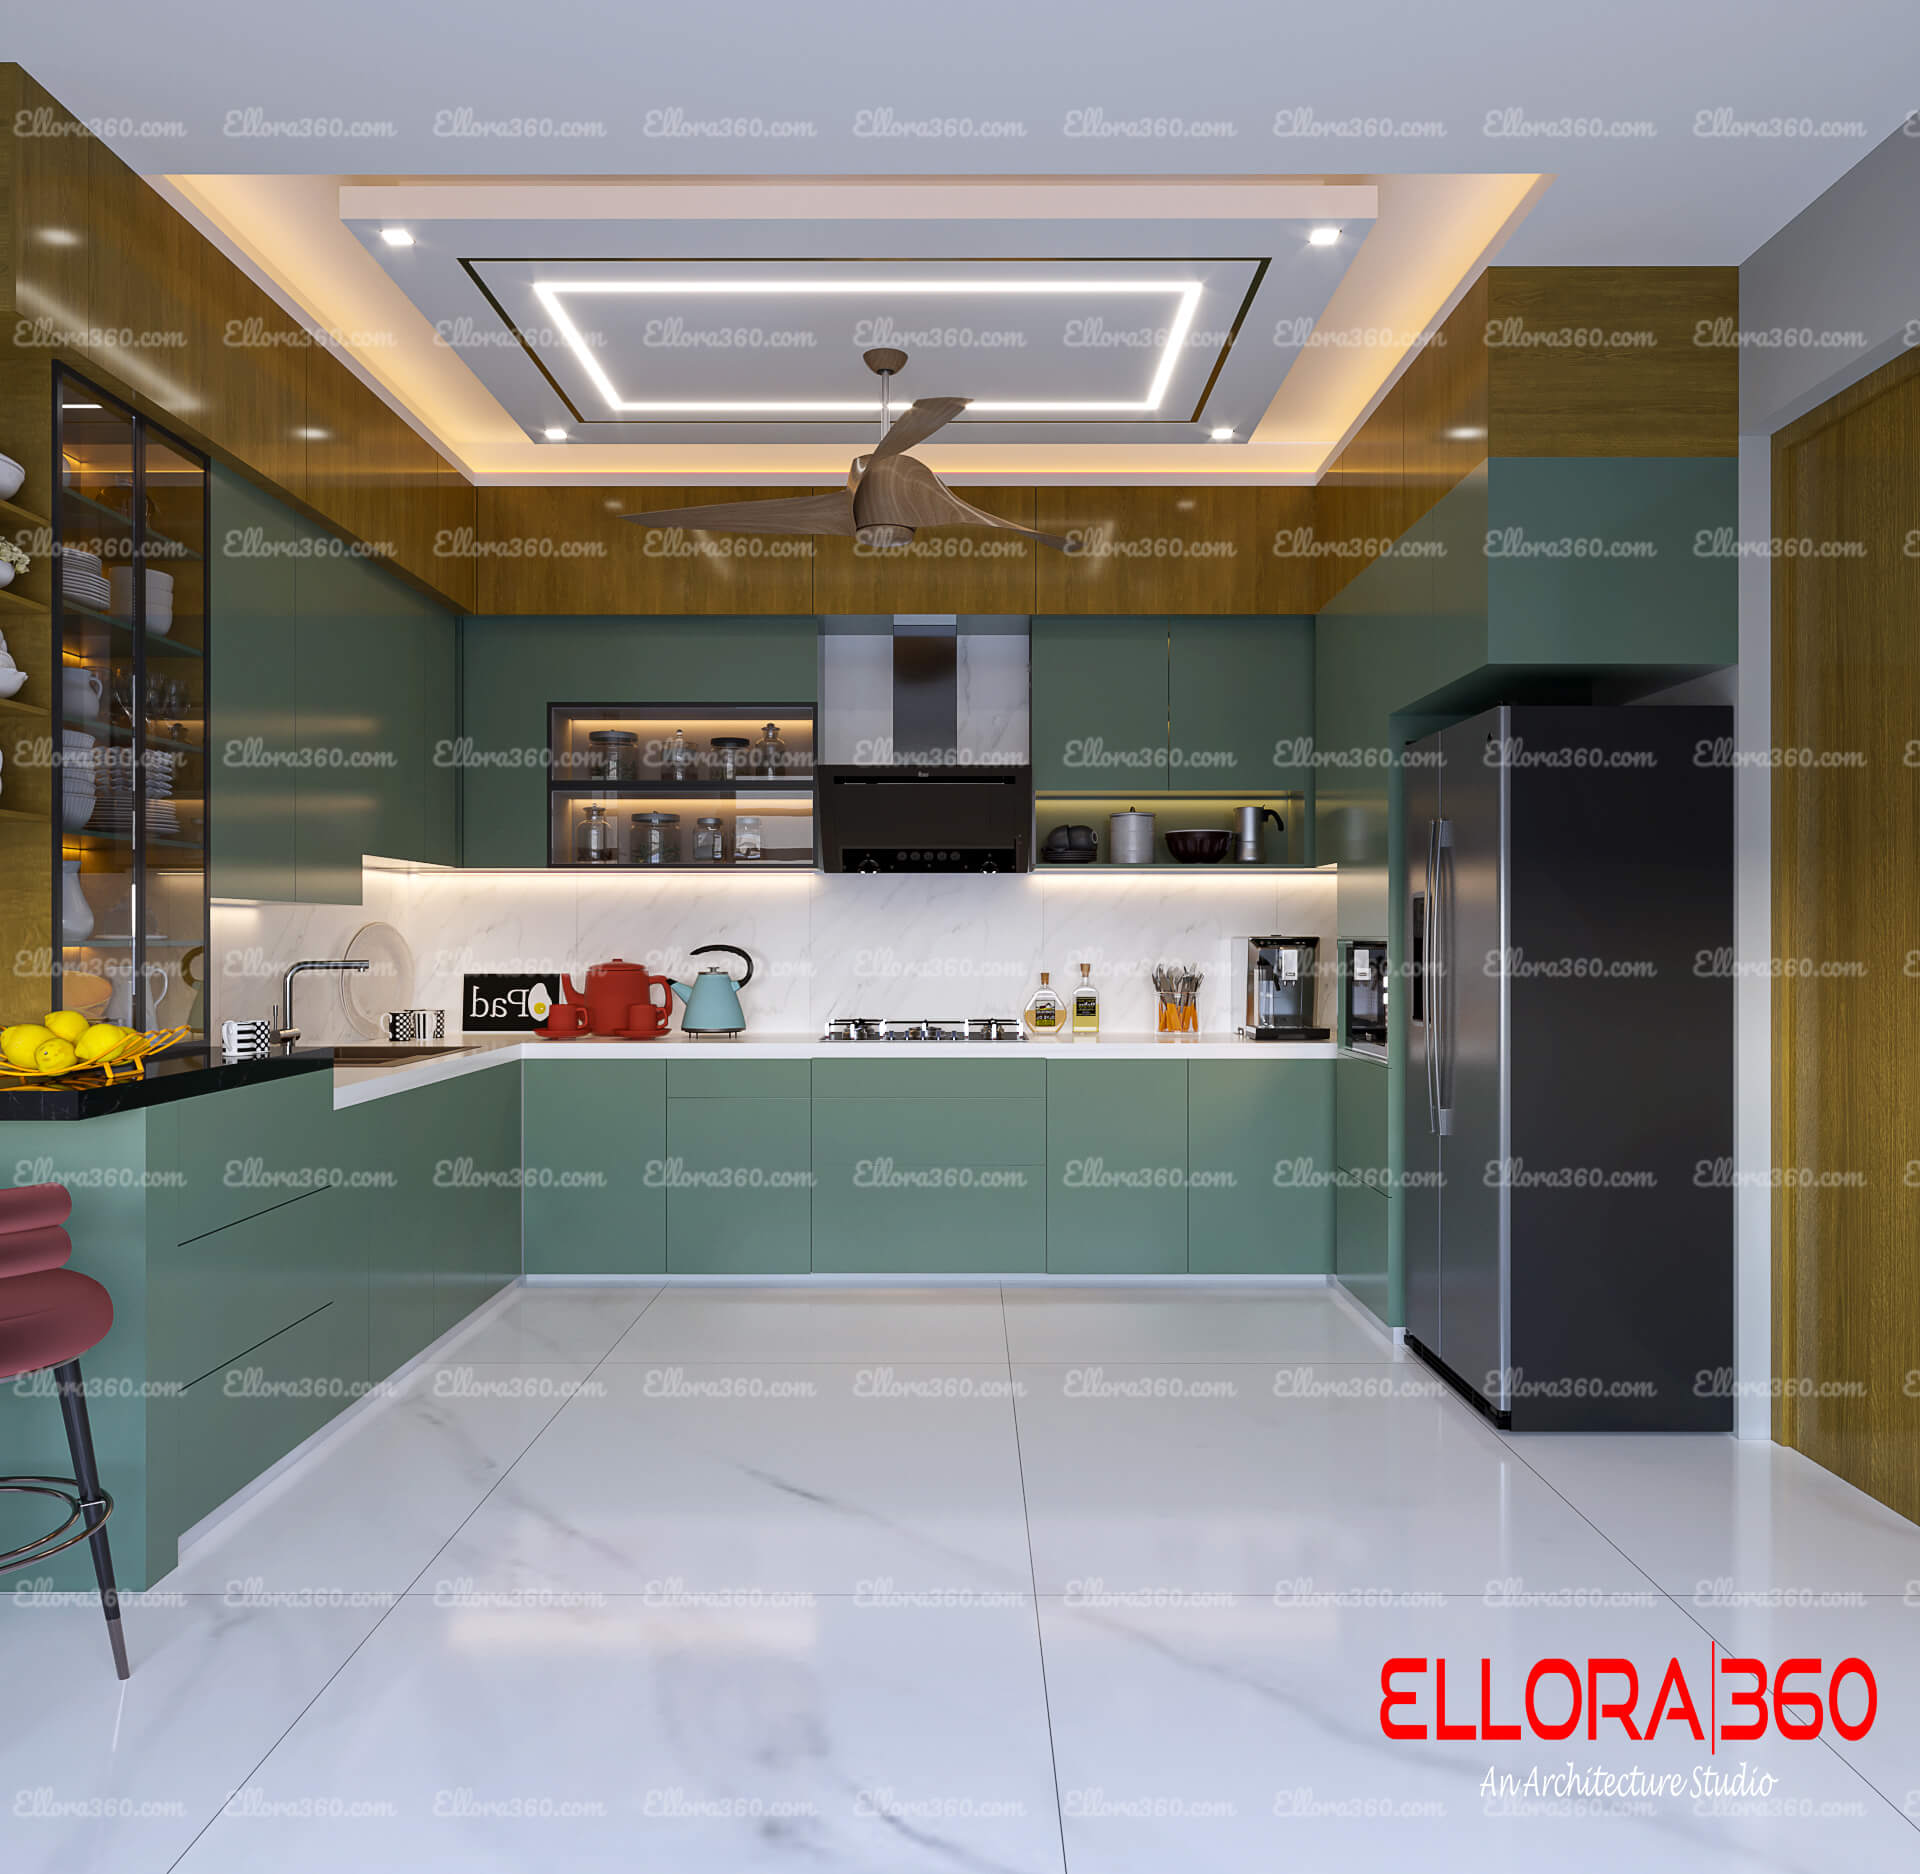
x=1248 y=823
x=713 y=997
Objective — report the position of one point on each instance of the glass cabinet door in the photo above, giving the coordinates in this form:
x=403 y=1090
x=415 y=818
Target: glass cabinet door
x=130 y=522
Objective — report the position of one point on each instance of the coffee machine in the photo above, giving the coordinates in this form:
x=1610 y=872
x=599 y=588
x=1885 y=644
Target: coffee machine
x=1366 y=995
x=1281 y=977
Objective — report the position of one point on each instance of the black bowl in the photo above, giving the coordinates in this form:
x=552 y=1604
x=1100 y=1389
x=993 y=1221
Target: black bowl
x=1199 y=845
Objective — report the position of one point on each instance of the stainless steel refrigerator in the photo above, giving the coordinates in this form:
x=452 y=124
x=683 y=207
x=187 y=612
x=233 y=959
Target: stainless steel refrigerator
x=1567 y=923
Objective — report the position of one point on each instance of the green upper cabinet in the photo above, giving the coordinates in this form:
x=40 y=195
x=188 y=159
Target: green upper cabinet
x=252 y=733
x=334 y=691
x=512 y=668
x=1240 y=704
x=1100 y=705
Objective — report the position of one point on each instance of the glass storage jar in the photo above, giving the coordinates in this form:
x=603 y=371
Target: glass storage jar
x=746 y=837
x=709 y=842
x=729 y=756
x=676 y=758
x=655 y=839
x=770 y=753
x=613 y=756
x=596 y=840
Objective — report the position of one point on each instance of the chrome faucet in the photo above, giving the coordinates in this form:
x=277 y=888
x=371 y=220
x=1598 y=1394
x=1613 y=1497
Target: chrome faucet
x=288 y=1033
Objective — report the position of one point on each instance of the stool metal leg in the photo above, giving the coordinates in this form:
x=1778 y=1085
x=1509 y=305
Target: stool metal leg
x=73 y=1409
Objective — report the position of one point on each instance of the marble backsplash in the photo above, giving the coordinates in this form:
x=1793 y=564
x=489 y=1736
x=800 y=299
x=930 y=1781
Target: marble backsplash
x=822 y=945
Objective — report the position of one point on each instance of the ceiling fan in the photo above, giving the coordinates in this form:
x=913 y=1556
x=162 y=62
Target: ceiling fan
x=889 y=495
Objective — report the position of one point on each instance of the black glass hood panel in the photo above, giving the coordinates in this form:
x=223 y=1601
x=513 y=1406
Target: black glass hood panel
x=925 y=819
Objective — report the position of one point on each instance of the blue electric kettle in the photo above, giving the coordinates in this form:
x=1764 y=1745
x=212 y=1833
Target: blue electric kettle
x=713 y=1000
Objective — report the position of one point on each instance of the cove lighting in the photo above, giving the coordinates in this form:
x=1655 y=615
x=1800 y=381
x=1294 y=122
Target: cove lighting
x=396 y=237
x=1185 y=292
x=1323 y=237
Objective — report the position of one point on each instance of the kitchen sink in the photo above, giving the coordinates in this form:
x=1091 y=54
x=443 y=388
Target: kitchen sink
x=388 y=1056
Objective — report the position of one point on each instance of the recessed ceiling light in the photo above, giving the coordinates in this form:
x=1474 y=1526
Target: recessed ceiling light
x=1185 y=294
x=1222 y=434
x=59 y=237
x=79 y=406
x=312 y=435
x=399 y=237
x=556 y=434
x=1323 y=237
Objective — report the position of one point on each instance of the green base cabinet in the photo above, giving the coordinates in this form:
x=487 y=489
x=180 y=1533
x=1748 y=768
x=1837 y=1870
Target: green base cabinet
x=594 y=1145
x=1260 y=1164
x=1360 y=1119
x=739 y=1168
x=1361 y=1251
x=930 y=1167
x=1116 y=1167
x=476 y=1190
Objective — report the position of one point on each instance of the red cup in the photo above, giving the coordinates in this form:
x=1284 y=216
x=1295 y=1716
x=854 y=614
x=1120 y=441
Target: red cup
x=564 y=1018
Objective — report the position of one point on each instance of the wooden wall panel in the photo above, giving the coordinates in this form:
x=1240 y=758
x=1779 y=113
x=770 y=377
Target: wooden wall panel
x=254 y=383
x=548 y=551
x=1610 y=361
x=972 y=569
x=1288 y=574
x=1150 y=550
x=1846 y=893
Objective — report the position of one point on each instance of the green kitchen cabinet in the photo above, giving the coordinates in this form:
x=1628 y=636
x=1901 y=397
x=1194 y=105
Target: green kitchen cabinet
x=248 y=1149
x=252 y=732
x=1360 y=1118
x=476 y=1185
x=1360 y=1255
x=594 y=1148
x=385 y=1150
x=929 y=1167
x=1116 y=1167
x=1240 y=704
x=1260 y=1166
x=739 y=1172
x=1100 y=705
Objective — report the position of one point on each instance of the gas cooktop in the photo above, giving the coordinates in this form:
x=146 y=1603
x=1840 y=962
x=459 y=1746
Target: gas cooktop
x=962 y=1028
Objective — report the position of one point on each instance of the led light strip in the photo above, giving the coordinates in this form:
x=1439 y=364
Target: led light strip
x=549 y=292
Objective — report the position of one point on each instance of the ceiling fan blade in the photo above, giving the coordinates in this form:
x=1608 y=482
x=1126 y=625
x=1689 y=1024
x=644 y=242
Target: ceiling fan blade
x=902 y=491
x=829 y=513
x=918 y=422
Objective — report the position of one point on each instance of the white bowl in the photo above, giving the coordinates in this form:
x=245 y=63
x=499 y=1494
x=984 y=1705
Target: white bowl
x=10 y=681
x=11 y=476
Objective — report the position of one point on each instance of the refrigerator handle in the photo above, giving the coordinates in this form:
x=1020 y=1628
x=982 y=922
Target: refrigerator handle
x=1429 y=985
x=1441 y=1031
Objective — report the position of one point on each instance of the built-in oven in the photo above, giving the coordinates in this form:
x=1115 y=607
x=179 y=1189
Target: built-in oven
x=1364 y=994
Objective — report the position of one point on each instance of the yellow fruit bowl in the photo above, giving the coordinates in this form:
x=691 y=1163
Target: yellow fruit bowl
x=126 y=1062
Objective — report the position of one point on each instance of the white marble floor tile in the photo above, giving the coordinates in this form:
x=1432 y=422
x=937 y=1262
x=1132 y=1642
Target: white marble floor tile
x=551 y=1323
x=1713 y=1510
x=1248 y=1738
x=1188 y=1324
x=718 y=1478
x=369 y=1511
x=833 y=1324
x=97 y=1777
x=633 y=1737
x=1238 y=1479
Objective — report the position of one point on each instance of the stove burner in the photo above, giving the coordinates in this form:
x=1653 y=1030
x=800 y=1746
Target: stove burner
x=957 y=1029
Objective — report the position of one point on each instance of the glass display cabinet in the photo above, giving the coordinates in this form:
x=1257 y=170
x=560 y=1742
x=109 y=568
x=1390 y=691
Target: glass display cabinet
x=130 y=620
x=681 y=786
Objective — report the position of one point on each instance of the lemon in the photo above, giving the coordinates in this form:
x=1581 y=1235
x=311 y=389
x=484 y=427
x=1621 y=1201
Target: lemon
x=68 y=1024
x=54 y=1056
x=19 y=1042
x=99 y=1040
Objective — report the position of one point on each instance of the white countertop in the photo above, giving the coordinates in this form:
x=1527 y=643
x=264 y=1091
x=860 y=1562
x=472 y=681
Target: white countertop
x=352 y=1085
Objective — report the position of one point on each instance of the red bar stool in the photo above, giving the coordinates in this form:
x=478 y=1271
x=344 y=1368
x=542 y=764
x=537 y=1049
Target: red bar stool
x=49 y=1316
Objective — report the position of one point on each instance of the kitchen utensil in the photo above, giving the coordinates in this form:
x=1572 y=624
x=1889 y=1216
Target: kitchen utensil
x=654 y=839
x=615 y=989
x=1178 y=988
x=713 y=998
x=11 y=679
x=563 y=1019
x=1199 y=845
x=76 y=914
x=729 y=756
x=386 y=983
x=1130 y=838
x=245 y=1041
x=85 y=993
x=1247 y=825
x=80 y=692
x=596 y=840
x=11 y=476
x=1069 y=845
x=416 y=1024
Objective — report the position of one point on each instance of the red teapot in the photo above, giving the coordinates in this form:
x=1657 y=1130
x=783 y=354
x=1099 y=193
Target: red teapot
x=627 y=1000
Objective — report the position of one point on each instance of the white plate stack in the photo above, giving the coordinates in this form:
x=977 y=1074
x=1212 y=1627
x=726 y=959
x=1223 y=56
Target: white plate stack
x=77 y=757
x=113 y=812
x=159 y=598
x=82 y=582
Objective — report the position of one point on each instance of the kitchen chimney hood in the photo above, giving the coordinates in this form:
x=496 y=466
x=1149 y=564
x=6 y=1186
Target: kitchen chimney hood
x=925 y=744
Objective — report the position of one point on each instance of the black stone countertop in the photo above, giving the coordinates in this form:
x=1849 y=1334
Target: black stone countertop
x=181 y=1074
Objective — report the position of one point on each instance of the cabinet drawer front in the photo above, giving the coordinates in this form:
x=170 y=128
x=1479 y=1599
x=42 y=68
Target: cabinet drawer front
x=962 y=1227
x=930 y=1132
x=1360 y=1254
x=249 y=1149
x=739 y=1176
x=917 y=1080
x=739 y=1080
x=1360 y=1118
x=229 y=1290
